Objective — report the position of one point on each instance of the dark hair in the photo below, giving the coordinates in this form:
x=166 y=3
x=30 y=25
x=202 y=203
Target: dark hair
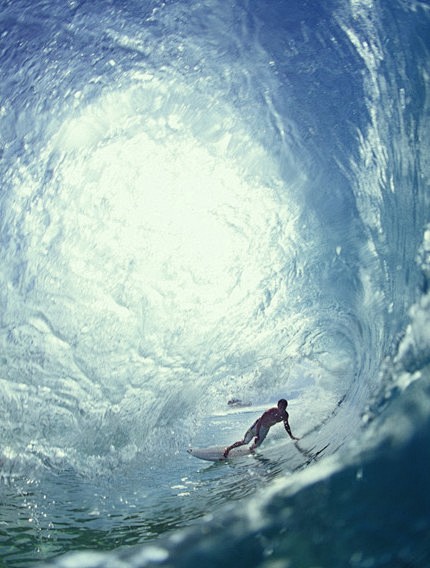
x=283 y=402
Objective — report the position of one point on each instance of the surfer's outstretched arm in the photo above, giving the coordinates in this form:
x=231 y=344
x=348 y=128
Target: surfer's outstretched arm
x=288 y=429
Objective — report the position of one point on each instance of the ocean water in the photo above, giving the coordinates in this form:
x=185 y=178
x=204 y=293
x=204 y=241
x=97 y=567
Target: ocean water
x=200 y=202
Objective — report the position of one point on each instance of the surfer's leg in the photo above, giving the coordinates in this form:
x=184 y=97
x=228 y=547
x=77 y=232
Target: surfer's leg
x=260 y=438
x=246 y=439
x=235 y=445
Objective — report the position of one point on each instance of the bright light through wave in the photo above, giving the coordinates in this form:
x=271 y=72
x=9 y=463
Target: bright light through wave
x=159 y=222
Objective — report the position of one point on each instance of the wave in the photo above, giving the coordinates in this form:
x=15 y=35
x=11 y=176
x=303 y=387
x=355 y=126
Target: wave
x=203 y=202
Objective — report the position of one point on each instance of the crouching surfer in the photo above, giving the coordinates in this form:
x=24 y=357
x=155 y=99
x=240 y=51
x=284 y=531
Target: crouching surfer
x=261 y=427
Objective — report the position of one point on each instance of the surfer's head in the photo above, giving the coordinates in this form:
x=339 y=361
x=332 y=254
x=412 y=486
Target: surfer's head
x=282 y=404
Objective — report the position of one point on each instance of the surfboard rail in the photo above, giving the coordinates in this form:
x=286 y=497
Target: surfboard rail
x=216 y=453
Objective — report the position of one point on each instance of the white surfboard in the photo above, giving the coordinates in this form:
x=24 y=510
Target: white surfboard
x=216 y=453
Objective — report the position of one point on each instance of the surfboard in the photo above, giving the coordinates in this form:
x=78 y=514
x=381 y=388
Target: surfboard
x=216 y=453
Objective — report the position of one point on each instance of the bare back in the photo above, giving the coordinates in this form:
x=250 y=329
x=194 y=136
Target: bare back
x=272 y=417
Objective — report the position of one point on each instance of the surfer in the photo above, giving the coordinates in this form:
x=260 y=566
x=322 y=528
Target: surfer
x=261 y=427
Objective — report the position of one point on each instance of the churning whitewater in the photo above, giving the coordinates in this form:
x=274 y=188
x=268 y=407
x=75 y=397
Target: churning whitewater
x=204 y=203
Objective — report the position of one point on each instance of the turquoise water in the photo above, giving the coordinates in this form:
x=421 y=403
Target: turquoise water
x=200 y=202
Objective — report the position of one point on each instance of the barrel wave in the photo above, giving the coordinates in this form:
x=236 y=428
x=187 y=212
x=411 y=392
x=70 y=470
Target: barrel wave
x=205 y=207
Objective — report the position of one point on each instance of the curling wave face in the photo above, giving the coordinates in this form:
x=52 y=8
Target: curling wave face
x=199 y=203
